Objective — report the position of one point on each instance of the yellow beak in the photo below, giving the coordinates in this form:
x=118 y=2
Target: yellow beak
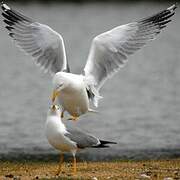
x=55 y=94
x=53 y=107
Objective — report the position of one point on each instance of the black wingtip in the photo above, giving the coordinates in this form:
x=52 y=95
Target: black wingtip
x=107 y=142
x=104 y=144
x=10 y=23
x=100 y=146
x=4 y=6
x=173 y=7
x=11 y=34
x=176 y=5
x=9 y=28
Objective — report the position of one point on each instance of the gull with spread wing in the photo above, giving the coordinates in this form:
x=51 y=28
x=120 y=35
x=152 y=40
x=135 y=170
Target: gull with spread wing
x=108 y=53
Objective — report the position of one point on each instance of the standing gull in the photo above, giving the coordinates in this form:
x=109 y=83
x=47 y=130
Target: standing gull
x=108 y=53
x=69 y=139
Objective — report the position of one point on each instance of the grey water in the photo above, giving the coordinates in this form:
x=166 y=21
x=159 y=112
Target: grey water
x=141 y=105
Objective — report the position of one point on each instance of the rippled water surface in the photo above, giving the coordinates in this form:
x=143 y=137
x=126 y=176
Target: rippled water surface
x=141 y=105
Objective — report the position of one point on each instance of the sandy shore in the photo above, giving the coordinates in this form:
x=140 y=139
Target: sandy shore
x=155 y=169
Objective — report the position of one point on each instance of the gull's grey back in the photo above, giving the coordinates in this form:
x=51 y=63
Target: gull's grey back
x=82 y=138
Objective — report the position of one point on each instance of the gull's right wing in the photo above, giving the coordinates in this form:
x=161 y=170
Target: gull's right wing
x=38 y=40
x=110 y=50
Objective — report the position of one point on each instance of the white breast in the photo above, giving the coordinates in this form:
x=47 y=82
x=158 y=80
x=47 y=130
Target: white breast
x=74 y=97
x=55 y=130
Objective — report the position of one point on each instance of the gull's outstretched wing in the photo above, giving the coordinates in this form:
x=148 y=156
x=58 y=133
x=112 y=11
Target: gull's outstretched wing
x=38 y=40
x=109 y=51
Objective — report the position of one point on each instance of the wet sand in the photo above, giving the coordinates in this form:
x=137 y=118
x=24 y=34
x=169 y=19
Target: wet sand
x=154 y=169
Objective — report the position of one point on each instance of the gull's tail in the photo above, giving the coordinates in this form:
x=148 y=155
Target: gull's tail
x=103 y=144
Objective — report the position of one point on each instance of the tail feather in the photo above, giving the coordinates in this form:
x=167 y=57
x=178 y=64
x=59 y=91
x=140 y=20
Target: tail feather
x=107 y=142
x=103 y=144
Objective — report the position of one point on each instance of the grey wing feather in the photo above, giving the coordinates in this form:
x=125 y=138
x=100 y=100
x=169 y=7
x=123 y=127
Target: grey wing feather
x=81 y=138
x=38 y=40
x=109 y=51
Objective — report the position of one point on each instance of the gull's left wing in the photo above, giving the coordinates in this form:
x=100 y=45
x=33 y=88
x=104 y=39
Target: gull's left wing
x=81 y=138
x=38 y=40
x=110 y=50
x=84 y=139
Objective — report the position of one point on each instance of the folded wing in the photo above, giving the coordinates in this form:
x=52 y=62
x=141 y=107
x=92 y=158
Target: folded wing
x=38 y=40
x=81 y=138
x=109 y=51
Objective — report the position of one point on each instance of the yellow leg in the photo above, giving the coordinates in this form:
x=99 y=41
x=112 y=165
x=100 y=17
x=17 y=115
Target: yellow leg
x=74 y=166
x=74 y=118
x=60 y=164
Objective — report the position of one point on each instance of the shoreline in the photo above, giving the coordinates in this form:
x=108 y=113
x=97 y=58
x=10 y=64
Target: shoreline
x=150 y=169
x=38 y=154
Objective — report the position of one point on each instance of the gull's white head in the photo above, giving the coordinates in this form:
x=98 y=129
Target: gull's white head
x=60 y=81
